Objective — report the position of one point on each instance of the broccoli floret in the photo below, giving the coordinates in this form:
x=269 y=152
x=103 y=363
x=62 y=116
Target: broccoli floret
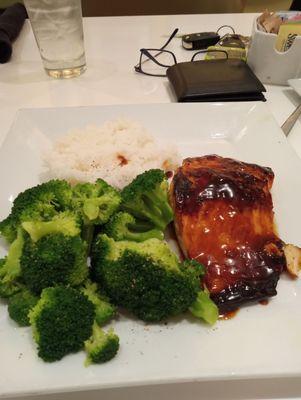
x=104 y=311
x=146 y=197
x=40 y=202
x=96 y=202
x=123 y=226
x=52 y=260
x=19 y=306
x=8 y=229
x=146 y=278
x=66 y=223
x=62 y=321
x=10 y=269
x=9 y=288
x=204 y=308
x=102 y=346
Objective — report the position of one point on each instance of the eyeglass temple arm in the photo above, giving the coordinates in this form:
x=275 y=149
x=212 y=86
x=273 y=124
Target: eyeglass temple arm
x=170 y=38
x=137 y=67
x=152 y=58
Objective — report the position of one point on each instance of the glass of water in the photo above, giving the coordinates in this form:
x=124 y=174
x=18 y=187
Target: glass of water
x=58 y=29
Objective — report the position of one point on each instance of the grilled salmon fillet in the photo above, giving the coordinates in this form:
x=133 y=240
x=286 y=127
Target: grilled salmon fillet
x=224 y=219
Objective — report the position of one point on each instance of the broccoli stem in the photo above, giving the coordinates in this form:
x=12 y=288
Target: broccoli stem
x=152 y=213
x=98 y=336
x=92 y=207
x=87 y=235
x=204 y=308
x=142 y=236
x=161 y=198
x=164 y=212
x=102 y=346
x=140 y=226
x=104 y=311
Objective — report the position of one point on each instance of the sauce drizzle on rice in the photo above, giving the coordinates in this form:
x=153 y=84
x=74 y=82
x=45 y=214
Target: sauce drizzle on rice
x=122 y=160
x=117 y=152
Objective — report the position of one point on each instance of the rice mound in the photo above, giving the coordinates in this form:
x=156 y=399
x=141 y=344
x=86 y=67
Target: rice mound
x=117 y=152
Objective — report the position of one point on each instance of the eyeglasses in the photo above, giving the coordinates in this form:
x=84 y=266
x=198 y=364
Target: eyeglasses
x=152 y=61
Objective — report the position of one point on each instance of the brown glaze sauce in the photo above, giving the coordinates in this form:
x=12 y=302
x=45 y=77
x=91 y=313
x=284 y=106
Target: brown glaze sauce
x=229 y=180
x=264 y=302
x=224 y=217
x=122 y=160
x=229 y=314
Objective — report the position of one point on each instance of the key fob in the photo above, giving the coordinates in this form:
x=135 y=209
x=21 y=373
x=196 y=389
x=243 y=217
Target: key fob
x=199 y=41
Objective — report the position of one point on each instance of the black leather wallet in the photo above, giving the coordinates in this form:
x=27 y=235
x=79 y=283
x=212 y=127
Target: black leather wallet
x=215 y=80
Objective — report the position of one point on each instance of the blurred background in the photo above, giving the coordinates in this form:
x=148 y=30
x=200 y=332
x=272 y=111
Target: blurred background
x=143 y=7
x=136 y=7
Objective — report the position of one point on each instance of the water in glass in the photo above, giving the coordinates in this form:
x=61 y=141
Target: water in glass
x=58 y=29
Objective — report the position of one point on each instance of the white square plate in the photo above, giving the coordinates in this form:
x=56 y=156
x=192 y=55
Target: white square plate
x=296 y=85
x=261 y=341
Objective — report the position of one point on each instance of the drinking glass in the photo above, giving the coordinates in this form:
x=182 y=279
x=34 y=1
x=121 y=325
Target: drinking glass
x=58 y=29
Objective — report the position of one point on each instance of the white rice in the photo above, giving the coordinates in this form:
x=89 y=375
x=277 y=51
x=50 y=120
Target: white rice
x=117 y=152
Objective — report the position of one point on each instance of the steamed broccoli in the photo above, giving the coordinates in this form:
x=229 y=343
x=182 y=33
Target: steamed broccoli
x=19 y=306
x=123 y=226
x=96 y=202
x=204 y=308
x=8 y=228
x=104 y=311
x=9 y=288
x=62 y=321
x=10 y=269
x=65 y=223
x=52 y=260
x=146 y=278
x=40 y=202
x=102 y=346
x=146 y=197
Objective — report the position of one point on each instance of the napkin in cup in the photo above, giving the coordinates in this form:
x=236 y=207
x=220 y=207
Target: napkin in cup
x=11 y=22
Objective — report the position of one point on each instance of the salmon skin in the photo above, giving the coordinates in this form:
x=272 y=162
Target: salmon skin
x=224 y=219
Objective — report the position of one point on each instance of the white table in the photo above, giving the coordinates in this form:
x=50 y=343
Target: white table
x=112 y=49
